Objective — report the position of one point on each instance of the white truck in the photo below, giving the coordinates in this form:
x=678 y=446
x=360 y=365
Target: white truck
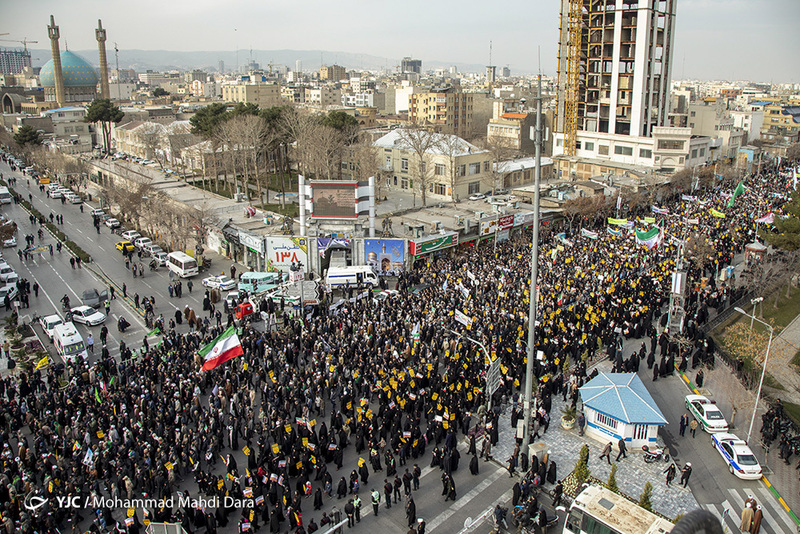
x=353 y=275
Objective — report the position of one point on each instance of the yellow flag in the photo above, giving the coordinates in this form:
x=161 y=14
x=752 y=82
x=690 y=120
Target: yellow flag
x=44 y=361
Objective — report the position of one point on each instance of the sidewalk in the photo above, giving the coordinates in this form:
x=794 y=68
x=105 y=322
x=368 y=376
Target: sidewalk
x=784 y=346
x=632 y=472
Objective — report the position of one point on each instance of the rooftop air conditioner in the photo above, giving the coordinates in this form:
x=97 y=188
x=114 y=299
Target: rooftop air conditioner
x=478 y=215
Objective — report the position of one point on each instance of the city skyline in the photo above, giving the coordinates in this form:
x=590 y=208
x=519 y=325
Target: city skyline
x=740 y=44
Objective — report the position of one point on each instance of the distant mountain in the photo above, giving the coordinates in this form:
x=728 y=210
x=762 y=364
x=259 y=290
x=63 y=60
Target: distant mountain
x=164 y=60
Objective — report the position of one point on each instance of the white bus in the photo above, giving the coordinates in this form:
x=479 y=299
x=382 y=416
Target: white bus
x=182 y=264
x=598 y=510
x=5 y=196
x=68 y=342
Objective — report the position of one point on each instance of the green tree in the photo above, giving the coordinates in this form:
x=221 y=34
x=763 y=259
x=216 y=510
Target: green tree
x=612 y=479
x=160 y=91
x=340 y=120
x=581 y=471
x=787 y=230
x=102 y=111
x=644 y=498
x=793 y=152
x=242 y=108
x=208 y=118
x=27 y=135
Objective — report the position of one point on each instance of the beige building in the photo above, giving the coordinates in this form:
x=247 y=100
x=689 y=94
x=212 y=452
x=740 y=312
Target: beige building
x=710 y=118
x=780 y=120
x=447 y=109
x=332 y=73
x=453 y=168
x=511 y=127
x=264 y=95
x=154 y=140
x=323 y=96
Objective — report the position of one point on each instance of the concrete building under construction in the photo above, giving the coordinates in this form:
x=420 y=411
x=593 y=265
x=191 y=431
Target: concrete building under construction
x=614 y=73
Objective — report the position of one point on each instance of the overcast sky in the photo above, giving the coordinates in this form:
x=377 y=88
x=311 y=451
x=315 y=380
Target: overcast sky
x=714 y=39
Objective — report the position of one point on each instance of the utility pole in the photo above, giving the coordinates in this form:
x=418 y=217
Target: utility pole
x=534 y=293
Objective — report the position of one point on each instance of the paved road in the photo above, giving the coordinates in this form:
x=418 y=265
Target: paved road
x=476 y=494
x=714 y=488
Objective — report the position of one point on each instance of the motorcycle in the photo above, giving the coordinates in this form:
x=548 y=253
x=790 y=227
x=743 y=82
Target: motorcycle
x=153 y=265
x=654 y=455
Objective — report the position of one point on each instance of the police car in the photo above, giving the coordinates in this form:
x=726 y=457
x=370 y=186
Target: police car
x=707 y=414
x=740 y=459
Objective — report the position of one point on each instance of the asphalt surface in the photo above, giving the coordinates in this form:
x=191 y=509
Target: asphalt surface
x=55 y=276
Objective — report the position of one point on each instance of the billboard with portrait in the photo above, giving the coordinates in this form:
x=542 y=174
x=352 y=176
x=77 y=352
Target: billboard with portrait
x=333 y=200
x=385 y=255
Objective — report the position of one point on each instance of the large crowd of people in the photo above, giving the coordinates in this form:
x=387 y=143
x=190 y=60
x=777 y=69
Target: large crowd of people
x=398 y=380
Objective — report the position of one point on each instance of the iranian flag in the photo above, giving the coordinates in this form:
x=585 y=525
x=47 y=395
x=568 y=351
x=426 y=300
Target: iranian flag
x=225 y=347
x=650 y=239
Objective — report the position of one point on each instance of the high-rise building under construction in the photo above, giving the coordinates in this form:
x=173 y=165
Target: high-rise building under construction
x=614 y=68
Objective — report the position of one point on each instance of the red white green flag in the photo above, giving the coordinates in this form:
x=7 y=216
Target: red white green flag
x=225 y=347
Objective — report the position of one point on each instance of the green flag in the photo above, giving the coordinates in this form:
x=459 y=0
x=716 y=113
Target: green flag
x=736 y=192
x=97 y=396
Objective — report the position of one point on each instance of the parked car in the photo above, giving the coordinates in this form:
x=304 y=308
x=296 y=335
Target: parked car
x=87 y=315
x=125 y=246
x=160 y=258
x=707 y=414
x=151 y=249
x=222 y=282
x=11 y=291
x=131 y=235
x=94 y=298
x=48 y=323
x=5 y=271
x=740 y=459
x=10 y=242
x=141 y=242
x=477 y=196
x=112 y=223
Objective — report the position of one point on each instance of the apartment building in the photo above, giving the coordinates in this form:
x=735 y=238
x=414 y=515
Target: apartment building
x=781 y=120
x=511 y=126
x=264 y=95
x=323 y=96
x=333 y=73
x=453 y=168
x=709 y=117
x=447 y=109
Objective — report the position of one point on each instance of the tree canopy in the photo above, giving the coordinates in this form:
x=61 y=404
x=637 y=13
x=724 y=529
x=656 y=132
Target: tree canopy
x=208 y=118
x=160 y=91
x=27 y=135
x=787 y=230
x=102 y=111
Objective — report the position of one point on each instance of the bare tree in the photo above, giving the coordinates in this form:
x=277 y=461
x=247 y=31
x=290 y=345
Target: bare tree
x=421 y=142
x=151 y=136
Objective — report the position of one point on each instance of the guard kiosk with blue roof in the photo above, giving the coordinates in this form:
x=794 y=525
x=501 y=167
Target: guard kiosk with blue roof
x=618 y=405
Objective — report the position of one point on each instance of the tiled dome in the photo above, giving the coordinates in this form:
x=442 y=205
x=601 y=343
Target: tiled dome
x=76 y=71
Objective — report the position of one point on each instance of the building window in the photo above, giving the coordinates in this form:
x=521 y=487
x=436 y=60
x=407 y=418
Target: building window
x=588 y=146
x=603 y=150
x=694 y=153
x=691 y=125
x=606 y=421
x=680 y=159
x=702 y=152
x=474 y=187
x=404 y=183
x=645 y=153
x=474 y=168
x=693 y=113
x=623 y=150
x=388 y=162
x=395 y=180
x=670 y=144
x=559 y=142
x=439 y=169
x=486 y=166
x=462 y=170
x=404 y=165
x=439 y=189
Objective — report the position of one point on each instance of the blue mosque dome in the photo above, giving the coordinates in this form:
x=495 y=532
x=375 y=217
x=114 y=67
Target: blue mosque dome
x=76 y=70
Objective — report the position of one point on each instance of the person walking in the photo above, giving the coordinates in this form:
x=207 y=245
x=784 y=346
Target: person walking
x=683 y=424
x=755 y=528
x=747 y=518
x=607 y=453
x=90 y=344
x=693 y=427
x=357 y=506
x=411 y=511
x=581 y=423
x=671 y=472
x=622 y=449
x=686 y=473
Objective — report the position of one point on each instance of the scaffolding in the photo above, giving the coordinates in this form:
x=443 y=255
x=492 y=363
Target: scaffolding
x=574 y=29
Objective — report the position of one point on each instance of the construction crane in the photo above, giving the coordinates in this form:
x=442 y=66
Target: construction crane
x=574 y=29
x=24 y=42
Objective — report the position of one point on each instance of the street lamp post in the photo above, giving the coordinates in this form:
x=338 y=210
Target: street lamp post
x=753 y=302
x=763 y=369
x=486 y=354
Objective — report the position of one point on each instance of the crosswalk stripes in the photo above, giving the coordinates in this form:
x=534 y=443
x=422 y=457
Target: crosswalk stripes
x=776 y=520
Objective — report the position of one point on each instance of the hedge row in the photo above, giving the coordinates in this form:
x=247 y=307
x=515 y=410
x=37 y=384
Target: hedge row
x=61 y=236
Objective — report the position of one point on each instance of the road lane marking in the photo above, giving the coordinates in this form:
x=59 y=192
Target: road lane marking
x=464 y=500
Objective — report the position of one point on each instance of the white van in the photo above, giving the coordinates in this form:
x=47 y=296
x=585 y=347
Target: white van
x=5 y=196
x=354 y=275
x=182 y=264
x=255 y=282
x=69 y=342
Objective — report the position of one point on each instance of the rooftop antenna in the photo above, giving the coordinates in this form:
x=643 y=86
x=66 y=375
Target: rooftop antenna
x=490 y=53
x=236 y=45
